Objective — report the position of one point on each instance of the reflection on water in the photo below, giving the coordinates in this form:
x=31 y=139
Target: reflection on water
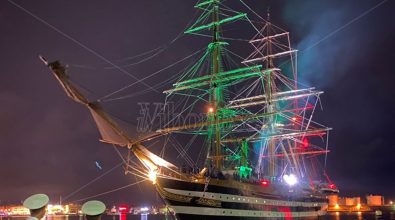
x=337 y=216
x=358 y=216
x=333 y=216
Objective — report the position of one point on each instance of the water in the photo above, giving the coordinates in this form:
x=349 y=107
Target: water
x=353 y=216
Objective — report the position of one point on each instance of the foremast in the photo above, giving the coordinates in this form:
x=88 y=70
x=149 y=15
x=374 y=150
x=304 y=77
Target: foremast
x=216 y=102
x=217 y=96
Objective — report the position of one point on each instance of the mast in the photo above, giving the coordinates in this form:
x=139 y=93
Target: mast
x=270 y=47
x=269 y=87
x=217 y=91
x=216 y=79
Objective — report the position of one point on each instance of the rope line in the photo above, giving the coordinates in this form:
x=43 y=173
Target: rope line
x=110 y=191
x=92 y=181
x=345 y=25
x=78 y=43
x=152 y=74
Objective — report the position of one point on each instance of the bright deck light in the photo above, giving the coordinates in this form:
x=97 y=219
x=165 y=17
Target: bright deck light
x=152 y=176
x=290 y=179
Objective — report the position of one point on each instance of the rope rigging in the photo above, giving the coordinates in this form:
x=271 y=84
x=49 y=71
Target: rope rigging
x=109 y=191
x=211 y=86
x=149 y=76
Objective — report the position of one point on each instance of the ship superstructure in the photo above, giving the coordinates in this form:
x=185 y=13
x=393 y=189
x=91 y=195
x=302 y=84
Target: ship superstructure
x=261 y=148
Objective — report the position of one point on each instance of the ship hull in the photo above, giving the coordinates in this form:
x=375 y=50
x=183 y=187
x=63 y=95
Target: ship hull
x=197 y=200
x=208 y=217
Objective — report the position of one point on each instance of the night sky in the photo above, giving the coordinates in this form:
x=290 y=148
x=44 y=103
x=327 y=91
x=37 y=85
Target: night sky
x=48 y=144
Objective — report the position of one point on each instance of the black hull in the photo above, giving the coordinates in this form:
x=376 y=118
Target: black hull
x=205 y=217
x=196 y=200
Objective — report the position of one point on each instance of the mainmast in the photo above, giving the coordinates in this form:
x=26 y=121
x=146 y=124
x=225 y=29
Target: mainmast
x=281 y=153
x=271 y=108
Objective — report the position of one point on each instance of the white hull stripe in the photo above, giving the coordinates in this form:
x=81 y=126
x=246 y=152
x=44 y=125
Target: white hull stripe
x=243 y=199
x=240 y=213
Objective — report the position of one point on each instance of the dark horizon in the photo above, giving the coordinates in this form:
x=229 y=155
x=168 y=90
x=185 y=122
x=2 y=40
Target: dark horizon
x=48 y=144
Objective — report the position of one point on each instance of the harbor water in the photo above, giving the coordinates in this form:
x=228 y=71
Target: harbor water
x=334 y=216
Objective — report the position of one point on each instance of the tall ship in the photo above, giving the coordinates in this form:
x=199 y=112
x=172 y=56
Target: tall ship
x=260 y=153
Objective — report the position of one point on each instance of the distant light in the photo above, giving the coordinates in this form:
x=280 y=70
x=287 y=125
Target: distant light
x=294 y=118
x=332 y=186
x=290 y=179
x=337 y=206
x=391 y=202
x=144 y=209
x=49 y=208
x=358 y=206
x=152 y=176
x=265 y=183
x=305 y=142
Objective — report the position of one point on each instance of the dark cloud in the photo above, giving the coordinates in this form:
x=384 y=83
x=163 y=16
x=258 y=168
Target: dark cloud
x=335 y=36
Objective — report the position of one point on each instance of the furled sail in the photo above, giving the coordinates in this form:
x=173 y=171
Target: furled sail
x=108 y=126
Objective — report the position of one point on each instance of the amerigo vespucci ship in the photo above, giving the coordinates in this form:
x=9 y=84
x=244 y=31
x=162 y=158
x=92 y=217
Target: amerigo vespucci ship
x=260 y=145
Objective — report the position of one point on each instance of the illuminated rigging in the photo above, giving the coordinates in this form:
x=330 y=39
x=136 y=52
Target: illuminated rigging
x=255 y=120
